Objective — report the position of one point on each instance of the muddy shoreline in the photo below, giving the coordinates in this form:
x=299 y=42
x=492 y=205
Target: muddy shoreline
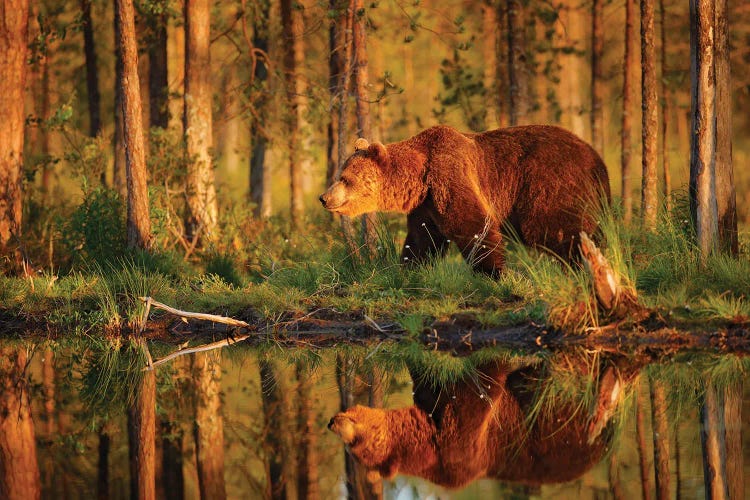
x=460 y=334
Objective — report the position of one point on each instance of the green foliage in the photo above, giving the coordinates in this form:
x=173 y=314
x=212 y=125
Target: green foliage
x=95 y=230
x=464 y=90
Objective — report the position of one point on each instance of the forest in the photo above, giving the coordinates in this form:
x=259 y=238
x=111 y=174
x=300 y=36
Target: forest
x=161 y=163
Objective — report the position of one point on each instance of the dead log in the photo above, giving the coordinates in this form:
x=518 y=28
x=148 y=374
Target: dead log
x=615 y=299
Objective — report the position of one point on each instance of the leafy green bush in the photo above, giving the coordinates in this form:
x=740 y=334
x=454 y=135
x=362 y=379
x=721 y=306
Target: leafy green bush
x=96 y=228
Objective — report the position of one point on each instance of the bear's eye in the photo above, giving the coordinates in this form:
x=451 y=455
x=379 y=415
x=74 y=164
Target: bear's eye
x=346 y=181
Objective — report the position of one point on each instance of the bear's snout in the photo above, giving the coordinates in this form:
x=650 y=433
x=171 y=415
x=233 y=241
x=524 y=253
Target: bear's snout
x=322 y=199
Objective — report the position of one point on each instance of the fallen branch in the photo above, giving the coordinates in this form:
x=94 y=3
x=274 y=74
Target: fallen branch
x=206 y=347
x=192 y=315
x=187 y=314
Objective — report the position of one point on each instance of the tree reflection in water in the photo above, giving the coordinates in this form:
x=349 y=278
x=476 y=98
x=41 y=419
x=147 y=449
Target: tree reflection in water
x=553 y=426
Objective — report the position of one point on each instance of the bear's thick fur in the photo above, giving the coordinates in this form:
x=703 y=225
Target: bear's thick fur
x=480 y=427
x=542 y=181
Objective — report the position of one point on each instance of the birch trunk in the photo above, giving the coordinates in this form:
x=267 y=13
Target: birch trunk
x=202 y=220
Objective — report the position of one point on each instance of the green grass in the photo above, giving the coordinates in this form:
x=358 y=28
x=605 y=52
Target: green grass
x=317 y=270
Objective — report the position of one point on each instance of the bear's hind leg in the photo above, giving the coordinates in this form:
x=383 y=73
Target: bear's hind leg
x=424 y=241
x=485 y=253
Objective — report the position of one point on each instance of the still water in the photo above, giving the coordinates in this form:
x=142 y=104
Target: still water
x=82 y=420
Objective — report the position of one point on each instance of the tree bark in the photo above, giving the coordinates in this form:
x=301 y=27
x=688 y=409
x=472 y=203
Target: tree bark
x=489 y=53
x=502 y=92
x=725 y=192
x=14 y=17
x=628 y=91
x=703 y=137
x=92 y=74
x=640 y=429
x=571 y=31
x=158 y=84
x=344 y=48
x=119 y=179
x=517 y=71
x=649 y=109
x=660 y=431
x=138 y=222
x=260 y=178
x=361 y=82
x=202 y=219
x=142 y=439
x=713 y=445
x=597 y=76
x=209 y=426
x=665 y=112
x=334 y=76
x=294 y=57
x=19 y=472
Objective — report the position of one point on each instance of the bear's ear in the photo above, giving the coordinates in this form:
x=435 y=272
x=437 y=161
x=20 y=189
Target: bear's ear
x=377 y=152
x=361 y=144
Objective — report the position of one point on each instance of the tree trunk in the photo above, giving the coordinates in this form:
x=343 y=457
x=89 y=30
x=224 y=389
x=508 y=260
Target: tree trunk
x=202 y=205
x=158 y=85
x=307 y=458
x=502 y=93
x=119 y=181
x=628 y=91
x=640 y=429
x=344 y=49
x=334 y=76
x=571 y=31
x=142 y=439
x=209 y=426
x=665 y=113
x=597 y=76
x=361 y=79
x=649 y=109
x=713 y=445
x=660 y=430
x=703 y=138
x=294 y=57
x=14 y=16
x=489 y=53
x=19 y=472
x=260 y=178
x=733 y=439
x=518 y=74
x=275 y=449
x=138 y=223
x=725 y=193
x=92 y=74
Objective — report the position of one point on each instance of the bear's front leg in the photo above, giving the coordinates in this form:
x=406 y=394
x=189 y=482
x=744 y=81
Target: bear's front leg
x=424 y=241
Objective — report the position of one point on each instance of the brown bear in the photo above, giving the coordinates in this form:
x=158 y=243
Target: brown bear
x=541 y=182
x=492 y=425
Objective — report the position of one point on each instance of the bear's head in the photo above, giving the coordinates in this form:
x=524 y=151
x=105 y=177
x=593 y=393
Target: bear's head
x=359 y=188
x=365 y=432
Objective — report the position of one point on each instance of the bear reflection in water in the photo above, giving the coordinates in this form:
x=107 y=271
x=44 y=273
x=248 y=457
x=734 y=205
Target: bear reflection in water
x=495 y=424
